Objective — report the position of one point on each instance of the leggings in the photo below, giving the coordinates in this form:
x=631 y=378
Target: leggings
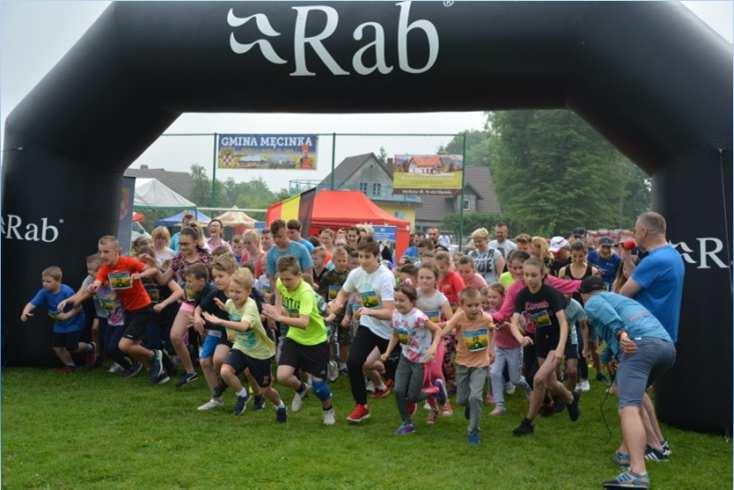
x=362 y=345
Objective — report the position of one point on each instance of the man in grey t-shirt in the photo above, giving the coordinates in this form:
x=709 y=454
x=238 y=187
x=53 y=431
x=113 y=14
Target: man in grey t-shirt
x=501 y=242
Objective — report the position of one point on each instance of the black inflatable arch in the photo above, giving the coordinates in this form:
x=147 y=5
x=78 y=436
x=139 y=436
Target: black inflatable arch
x=649 y=76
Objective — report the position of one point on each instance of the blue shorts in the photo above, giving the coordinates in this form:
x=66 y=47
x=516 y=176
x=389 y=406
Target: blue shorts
x=638 y=371
x=209 y=345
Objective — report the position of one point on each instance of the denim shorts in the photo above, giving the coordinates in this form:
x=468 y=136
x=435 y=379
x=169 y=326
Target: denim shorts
x=638 y=371
x=210 y=343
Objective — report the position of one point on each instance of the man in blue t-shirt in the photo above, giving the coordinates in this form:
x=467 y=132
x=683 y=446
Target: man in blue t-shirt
x=657 y=281
x=605 y=260
x=282 y=246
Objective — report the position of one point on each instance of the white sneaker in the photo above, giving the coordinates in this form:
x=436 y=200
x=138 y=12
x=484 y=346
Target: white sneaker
x=297 y=403
x=115 y=368
x=509 y=388
x=370 y=386
x=427 y=406
x=332 y=371
x=211 y=404
x=329 y=417
x=585 y=386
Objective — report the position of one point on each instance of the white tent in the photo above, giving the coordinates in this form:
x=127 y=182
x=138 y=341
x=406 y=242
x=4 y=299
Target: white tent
x=151 y=193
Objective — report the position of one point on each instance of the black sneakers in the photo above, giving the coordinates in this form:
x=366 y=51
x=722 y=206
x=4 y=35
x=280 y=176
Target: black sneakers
x=525 y=428
x=240 y=405
x=187 y=378
x=259 y=402
x=573 y=407
x=281 y=414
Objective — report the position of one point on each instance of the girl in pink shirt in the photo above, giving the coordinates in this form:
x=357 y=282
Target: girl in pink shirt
x=507 y=352
x=467 y=271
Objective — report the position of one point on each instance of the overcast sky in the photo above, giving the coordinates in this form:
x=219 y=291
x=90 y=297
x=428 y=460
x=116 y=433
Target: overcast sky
x=35 y=35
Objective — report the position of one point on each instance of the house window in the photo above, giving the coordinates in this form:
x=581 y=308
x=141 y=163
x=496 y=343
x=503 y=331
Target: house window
x=376 y=189
x=467 y=205
x=363 y=187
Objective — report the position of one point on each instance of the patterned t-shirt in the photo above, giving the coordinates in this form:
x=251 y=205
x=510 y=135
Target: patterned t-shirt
x=415 y=339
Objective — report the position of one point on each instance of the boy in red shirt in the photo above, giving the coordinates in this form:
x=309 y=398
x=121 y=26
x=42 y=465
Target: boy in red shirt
x=124 y=276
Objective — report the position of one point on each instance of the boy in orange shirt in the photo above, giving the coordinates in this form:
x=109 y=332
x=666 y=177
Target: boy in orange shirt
x=124 y=276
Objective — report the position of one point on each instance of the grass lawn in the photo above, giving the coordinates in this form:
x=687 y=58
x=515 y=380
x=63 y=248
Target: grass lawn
x=95 y=430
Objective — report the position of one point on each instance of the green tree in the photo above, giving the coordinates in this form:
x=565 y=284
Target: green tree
x=478 y=150
x=553 y=172
x=201 y=190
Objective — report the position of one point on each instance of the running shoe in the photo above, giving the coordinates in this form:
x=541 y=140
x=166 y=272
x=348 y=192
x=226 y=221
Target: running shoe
x=187 y=378
x=442 y=396
x=360 y=413
x=621 y=459
x=240 y=405
x=525 y=428
x=281 y=414
x=211 y=404
x=329 y=417
x=405 y=429
x=652 y=454
x=628 y=479
x=297 y=402
x=381 y=393
x=447 y=410
x=133 y=371
x=259 y=403
x=573 y=407
x=474 y=439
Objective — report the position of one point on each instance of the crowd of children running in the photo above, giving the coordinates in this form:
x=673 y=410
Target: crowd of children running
x=504 y=315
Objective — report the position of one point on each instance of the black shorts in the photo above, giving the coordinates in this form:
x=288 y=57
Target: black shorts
x=546 y=339
x=259 y=368
x=572 y=350
x=137 y=322
x=67 y=340
x=310 y=358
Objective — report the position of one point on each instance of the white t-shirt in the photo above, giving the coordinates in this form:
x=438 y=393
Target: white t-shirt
x=161 y=256
x=505 y=247
x=431 y=305
x=374 y=288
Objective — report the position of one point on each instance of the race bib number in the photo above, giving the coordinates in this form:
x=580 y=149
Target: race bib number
x=476 y=340
x=403 y=336
x=120 y=280
x=434 y=316
x=370 y=299
x=541 y=318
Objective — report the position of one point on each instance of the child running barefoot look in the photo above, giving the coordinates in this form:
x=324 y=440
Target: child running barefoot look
x=474 y=354
x=544 y=306
x=305 y=347
x=67 y=325
x=419 y=338
x=252 y=348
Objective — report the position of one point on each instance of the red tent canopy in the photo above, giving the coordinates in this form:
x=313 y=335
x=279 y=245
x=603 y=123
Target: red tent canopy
x=341 y=209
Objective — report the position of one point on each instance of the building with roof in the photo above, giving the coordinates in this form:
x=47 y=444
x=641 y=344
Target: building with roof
x=480 y=196
x=368 y=174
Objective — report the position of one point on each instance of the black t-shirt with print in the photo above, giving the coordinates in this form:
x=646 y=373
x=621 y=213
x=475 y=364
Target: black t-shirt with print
x=206 y=303
x=541 y=307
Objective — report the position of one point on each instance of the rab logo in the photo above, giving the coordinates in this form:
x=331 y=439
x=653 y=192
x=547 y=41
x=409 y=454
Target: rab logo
x=13 y=229
x=315 y=42
x=705 y=253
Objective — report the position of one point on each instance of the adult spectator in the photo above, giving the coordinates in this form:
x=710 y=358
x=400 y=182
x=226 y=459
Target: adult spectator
x=488 y=261
x=433 y=235
x=657 y=281
x=294 y=234
x=604 y=259
x=282 y=246
x=501 y=242
x=215 y=229
x=161 y=238
x=560 y=248
x=186 y=221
